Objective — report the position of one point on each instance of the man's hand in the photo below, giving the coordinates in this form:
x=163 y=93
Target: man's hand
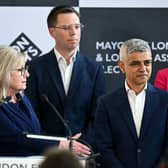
x=77 y=147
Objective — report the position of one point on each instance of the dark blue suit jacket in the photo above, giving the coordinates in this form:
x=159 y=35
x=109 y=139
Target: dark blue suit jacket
x=13 y=123
x=78 y=107
x=116 y=136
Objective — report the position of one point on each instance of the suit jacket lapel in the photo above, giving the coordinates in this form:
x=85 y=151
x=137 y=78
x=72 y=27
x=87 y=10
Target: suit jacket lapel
x=76 y=75
x=126 y=113
x=148 y=111
x=55 y=75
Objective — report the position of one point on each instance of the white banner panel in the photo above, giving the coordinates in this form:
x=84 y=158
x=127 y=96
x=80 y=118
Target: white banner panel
x=21 y=162
x=25 y=162
x=124 y=3
x=26 y=28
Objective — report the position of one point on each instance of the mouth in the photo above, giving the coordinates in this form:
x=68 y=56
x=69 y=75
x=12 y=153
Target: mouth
x=142 y=75
x=73 y=40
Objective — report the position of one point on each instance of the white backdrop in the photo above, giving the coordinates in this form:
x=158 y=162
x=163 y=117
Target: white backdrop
x=123 y=3
x=28 y=20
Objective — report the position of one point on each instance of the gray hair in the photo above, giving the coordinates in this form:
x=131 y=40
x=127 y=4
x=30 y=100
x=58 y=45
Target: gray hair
x=9 y=59
x=132 y=46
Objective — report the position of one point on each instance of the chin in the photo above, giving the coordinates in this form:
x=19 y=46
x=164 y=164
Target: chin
x=142 y=83
x=22 y=89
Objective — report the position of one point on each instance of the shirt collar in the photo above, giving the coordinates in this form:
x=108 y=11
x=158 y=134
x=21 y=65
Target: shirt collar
x=129 y=89
x=60 y=57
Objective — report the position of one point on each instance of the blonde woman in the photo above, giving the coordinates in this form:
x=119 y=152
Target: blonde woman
x=16 y=113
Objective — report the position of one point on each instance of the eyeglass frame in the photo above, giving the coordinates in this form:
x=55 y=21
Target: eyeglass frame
x=22 y=70
x=68 y=27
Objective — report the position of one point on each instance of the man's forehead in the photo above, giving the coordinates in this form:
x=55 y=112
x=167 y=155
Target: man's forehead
x=140 y=55
x=63 y=17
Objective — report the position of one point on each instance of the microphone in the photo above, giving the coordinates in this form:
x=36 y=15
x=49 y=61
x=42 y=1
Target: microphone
x=87 y=158
x=44 y=97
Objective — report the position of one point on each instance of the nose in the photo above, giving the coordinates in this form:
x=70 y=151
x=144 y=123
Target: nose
x=26 y=74
x=72 y=30
x=142 y=66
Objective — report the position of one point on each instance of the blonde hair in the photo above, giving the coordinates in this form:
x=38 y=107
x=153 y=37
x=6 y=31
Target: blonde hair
x=9 y=59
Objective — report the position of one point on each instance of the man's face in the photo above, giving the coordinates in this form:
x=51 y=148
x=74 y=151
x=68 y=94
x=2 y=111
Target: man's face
x=137 y=68
x=66 y=39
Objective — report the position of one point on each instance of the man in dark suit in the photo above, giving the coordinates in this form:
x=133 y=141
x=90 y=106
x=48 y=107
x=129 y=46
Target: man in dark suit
x=132 y=122
x=71 y=81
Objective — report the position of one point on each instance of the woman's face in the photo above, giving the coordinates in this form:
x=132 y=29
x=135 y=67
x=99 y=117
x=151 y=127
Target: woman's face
x=18 y=78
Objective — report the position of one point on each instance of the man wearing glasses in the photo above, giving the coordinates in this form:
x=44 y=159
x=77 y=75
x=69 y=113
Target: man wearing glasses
x=71 y=81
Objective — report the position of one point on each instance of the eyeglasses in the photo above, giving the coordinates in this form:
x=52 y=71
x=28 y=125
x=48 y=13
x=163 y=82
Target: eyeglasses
x=22 y=70
x=70 y=27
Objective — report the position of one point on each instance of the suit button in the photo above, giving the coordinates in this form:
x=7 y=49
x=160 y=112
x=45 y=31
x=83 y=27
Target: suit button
x=139 y=150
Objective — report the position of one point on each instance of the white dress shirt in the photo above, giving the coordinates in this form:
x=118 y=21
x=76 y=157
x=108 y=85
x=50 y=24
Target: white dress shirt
x=65 y=69
x=137 y=103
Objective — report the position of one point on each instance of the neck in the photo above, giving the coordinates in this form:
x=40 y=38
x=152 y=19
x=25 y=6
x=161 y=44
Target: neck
x=12 y=96
x=66 y=54
x=136 y=88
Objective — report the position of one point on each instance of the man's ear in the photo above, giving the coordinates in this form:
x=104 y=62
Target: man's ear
x=52 y=32
x=121 y=65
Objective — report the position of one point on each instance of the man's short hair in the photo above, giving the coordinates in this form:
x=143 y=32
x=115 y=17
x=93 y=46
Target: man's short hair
x=52 y=17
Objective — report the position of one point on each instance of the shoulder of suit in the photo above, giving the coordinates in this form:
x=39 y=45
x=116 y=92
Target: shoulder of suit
x=113 y=95
x=88 y=59
x=156 y=90
x=41 y=59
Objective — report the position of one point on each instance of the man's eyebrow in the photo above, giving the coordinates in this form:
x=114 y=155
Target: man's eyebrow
x=138 y=62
